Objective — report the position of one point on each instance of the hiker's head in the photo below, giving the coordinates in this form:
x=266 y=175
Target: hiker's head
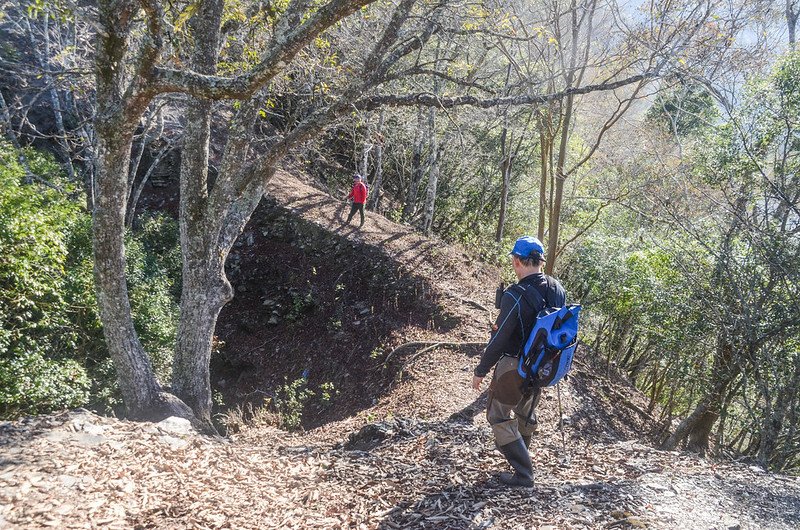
x=356 y=178
x=527 y=256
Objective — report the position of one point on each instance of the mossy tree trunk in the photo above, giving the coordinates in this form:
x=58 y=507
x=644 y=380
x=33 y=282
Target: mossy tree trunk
x=118 y=110
x=204 y=288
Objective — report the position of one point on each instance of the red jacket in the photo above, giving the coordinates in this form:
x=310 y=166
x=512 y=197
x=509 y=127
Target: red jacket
x=358 y=193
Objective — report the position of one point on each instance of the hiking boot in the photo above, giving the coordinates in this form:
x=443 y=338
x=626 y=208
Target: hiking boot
x=517 y=455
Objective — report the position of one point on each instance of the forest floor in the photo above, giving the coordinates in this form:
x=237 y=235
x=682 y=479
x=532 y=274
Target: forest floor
x=414 y=452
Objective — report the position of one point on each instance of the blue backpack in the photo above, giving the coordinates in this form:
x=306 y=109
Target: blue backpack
x=547 y=356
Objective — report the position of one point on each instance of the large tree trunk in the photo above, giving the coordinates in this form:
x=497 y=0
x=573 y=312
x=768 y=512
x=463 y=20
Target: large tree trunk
x=134 y=371
x=115 y=121
x=697 y=426
x=140 y=390
x=205 y=289
x=700 y=431
x=204 y=292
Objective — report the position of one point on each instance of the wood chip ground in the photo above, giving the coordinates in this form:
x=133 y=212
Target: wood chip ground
x=421 y=457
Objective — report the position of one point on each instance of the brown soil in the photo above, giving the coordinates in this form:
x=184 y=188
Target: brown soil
x=319 y=299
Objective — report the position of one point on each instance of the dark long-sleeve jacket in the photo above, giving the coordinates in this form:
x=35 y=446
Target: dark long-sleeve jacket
x=518 y=309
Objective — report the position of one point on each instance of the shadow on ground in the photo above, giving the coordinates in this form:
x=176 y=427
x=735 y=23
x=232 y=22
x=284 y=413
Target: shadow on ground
x=315 y=312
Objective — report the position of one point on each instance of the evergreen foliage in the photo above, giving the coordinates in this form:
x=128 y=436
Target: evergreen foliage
x=38 y=371
x=699 y=305
x=52 y=352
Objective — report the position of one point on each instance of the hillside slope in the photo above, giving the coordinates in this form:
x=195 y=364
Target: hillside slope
x=412 y=452
x=332 y=304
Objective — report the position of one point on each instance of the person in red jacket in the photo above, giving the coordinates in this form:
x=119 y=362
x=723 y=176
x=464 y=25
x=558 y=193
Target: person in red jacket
x=359 y=196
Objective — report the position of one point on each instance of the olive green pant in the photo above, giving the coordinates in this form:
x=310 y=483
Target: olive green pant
x=506 y=397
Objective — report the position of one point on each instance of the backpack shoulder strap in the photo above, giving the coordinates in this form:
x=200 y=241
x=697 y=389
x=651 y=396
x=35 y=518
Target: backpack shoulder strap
x=555 y=293
x=533 y=297
x=550 y=292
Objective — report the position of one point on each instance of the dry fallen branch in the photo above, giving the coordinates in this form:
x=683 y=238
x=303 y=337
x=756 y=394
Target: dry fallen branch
x=430 y=346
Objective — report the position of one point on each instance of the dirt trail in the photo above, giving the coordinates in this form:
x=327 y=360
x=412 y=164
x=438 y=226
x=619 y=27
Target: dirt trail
x=421 y=457
x=465 y=285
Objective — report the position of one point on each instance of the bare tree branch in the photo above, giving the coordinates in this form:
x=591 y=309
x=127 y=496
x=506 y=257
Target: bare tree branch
x=284 y=46
x=426 y=99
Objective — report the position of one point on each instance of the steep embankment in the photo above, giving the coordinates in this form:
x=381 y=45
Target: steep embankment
x=324 y=300
x=421 y=457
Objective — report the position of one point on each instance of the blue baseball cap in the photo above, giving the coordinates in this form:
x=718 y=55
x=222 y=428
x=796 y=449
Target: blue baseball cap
x=526 y=247
x=357 y=177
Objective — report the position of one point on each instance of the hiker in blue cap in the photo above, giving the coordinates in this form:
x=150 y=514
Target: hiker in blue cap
x=509 y=404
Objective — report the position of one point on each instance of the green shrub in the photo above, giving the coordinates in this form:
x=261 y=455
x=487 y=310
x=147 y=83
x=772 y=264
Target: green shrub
x=328 y=392
x=301 y=304
x=52 y=351
x=153 y=272
x=89 y=348
x=290 y=400
x=37 y=339
x=31 y=383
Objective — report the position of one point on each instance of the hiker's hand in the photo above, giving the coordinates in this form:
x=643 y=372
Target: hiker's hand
x=476 y=382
